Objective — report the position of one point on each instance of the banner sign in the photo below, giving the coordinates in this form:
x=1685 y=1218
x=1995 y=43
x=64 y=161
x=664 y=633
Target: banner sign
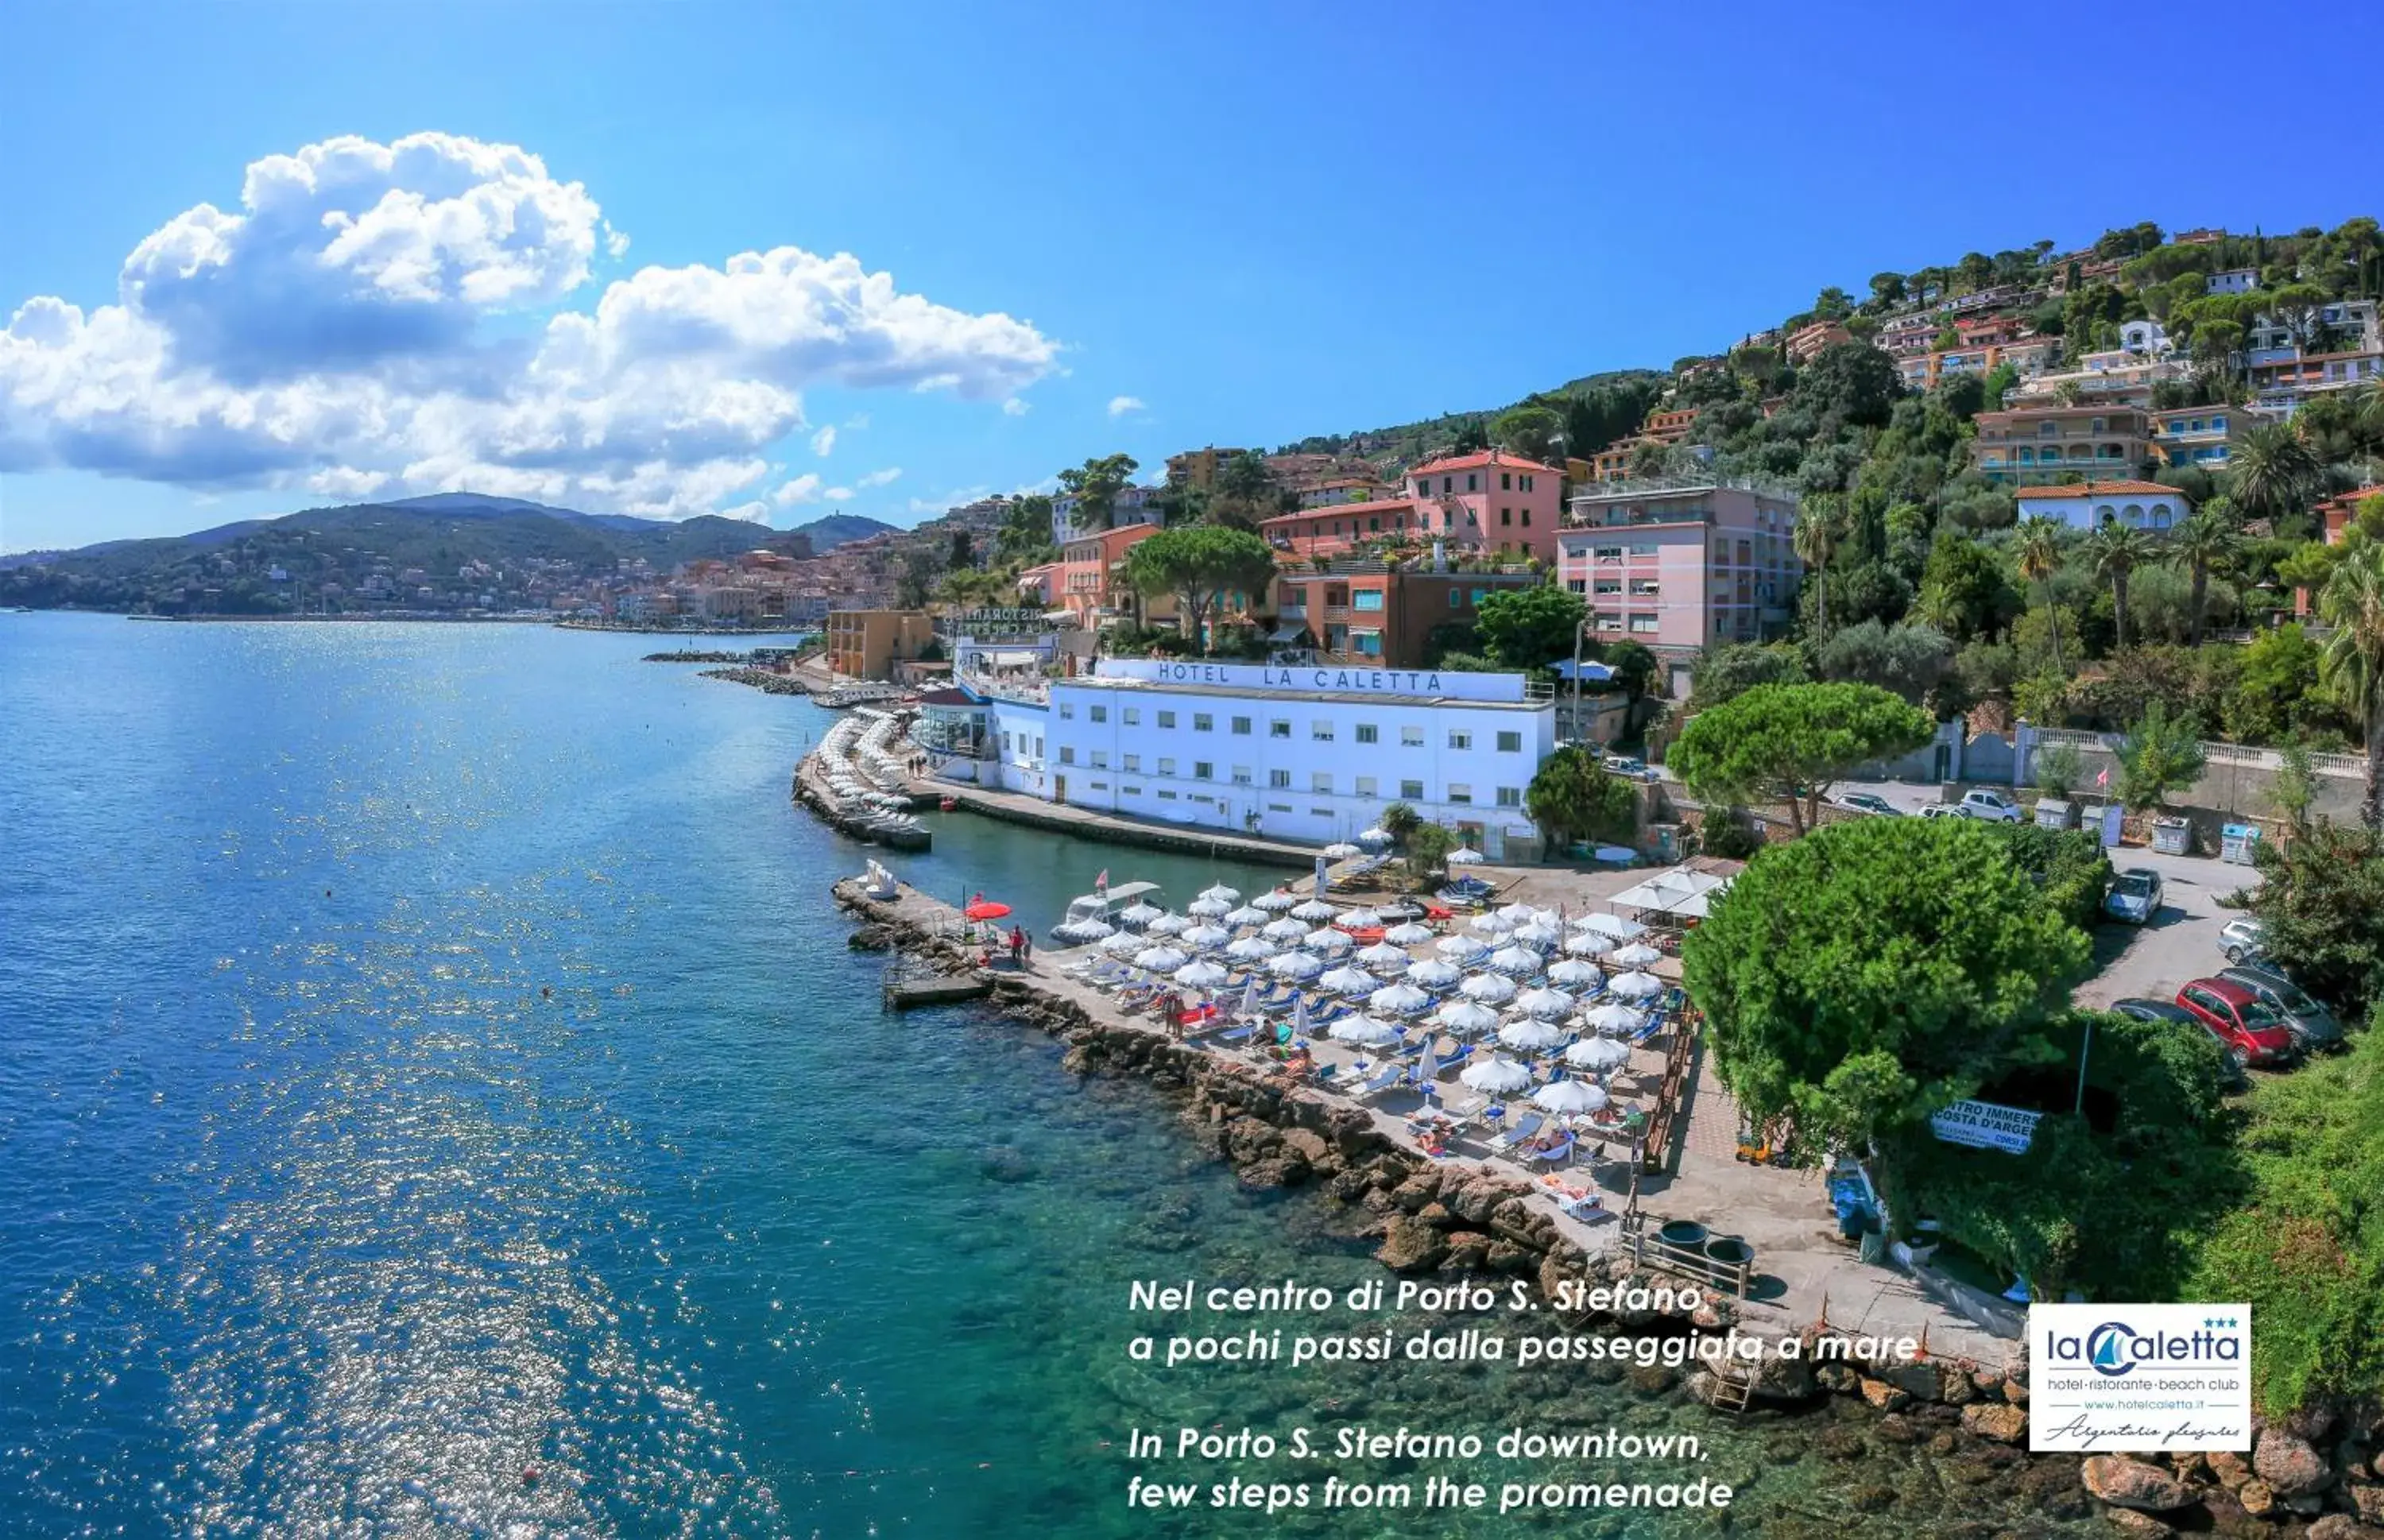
x=1986 y=1125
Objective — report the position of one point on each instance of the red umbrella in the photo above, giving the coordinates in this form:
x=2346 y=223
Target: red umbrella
x=986 y=909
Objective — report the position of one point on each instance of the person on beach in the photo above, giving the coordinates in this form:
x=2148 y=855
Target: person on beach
x=1017 y=948
x=1027 y=950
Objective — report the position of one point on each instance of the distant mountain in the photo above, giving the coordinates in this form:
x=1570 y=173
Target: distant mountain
x=835 y=529
x=459 y=545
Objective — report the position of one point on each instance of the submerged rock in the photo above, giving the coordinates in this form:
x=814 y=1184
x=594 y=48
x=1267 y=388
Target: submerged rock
x=2125 y=1482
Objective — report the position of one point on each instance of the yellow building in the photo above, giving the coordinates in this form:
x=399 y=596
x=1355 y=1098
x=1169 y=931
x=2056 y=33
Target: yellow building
x=1198 y=467
x=865 y=644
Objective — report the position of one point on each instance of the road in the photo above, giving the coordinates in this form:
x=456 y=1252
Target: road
x=2150 y=960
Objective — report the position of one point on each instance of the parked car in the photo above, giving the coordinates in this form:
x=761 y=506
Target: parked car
x=1624 y=764
x=2163 y=1010
x=1941 y=810
x=2243 y=940
x=2313 y=1025
x=2135 y=896
x=2239 y=1019
x=1867 y=801
x=1992 y=806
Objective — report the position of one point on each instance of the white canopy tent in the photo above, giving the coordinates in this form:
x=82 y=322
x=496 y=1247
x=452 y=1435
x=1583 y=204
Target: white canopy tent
x=1680 y=891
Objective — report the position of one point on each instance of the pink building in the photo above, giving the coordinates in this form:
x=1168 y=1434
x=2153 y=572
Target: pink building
x=1494 y=501
x=1679 y=568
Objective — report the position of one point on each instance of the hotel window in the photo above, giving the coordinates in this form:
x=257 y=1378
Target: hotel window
x=1131 y=716
x=1134 y=762
x=1278 y=726
x=1369 y=644
x=1129 y=791
x=1459 y=739
x=1411 y=790
x=1100 y=759
x=1366 y=598
x=1167 y=719
x=1459 y=792
x=1203 y=770
x=1241 y=775
x=1507 y=516
x=1506 y=481
x=1411 y=738
x=1510 y=743
x=1472 y=483
x=1167 y=796
x=1099 y=714
x=1005 y=743
x=1039 y=745
x=1067 y=753
x=1527 y=487
x=1608 y=585
x=1645 y=625
x=1167 y=767
x=1608 y=622
x=1576 y=585
x=1319 y=730
x=1279 y=779
x=1202 y=722
x=1368 y=733
x=1278 y=807
x=1067 y=711
x=1242 y=726
x=1527 y=518
x=1365 y=785
x=1607 y=554
x=1510 y=796
x=1321 y=783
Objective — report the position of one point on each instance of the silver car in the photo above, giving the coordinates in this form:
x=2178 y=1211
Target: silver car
x=2313 y=1025
x=2243 y=940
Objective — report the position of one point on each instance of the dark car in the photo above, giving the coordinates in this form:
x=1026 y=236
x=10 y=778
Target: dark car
x=2135 y=896
x=2311 y=1023
x=2241 y=1021
x=2178 y=1015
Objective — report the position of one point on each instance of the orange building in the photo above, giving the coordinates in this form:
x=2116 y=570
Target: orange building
x=1092 y=582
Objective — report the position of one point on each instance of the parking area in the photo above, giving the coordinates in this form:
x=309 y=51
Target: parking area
x=2150 y=960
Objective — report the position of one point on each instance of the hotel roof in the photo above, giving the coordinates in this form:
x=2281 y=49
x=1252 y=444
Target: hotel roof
x=1493 y=458
x=2102 y=489
x=1254 y=692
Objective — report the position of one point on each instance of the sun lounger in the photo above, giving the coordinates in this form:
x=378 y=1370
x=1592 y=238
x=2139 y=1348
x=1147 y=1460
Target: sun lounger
x=1560 y=1153
x=1388 y=1077
x=1522 y=1133
x=1443 y=1063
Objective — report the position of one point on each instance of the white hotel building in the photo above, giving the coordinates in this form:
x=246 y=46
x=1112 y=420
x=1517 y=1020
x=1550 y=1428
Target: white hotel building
x=1300 y=752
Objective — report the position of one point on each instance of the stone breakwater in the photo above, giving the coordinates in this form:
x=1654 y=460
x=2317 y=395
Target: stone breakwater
x=1923 y=1437
x=762 y=679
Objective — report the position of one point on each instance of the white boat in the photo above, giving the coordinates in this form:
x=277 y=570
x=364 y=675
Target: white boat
x=1105 y=907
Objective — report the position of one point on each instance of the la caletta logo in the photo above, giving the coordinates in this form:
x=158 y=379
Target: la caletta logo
x=2116 y=1348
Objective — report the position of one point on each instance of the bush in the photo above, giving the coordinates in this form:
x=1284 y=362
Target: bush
x=2067 y=866
x=1727 y=833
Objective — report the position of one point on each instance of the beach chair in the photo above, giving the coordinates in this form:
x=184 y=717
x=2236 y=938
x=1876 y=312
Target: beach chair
x=1557 y=1154
x=1526 y=1129
x=1443 y=1063
x=1383 y=1081
x=1648 y=1033
x=1236 y=1035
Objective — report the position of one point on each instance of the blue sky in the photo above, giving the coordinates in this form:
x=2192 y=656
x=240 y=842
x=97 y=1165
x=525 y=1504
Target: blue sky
x=1230 y=224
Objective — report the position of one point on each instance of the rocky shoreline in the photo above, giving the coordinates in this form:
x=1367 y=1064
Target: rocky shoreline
x=762 y=679
x=2321 y=1476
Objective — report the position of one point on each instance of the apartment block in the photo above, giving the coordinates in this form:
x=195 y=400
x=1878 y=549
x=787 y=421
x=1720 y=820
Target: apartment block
x=1368 y=612
x=865 y=644
x=2038 y=445
x=1679 y=567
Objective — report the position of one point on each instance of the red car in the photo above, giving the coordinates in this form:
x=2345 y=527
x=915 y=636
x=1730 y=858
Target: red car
x=2238 y=1020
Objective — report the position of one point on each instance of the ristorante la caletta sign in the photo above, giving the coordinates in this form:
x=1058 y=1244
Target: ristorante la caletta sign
x=1282 y=677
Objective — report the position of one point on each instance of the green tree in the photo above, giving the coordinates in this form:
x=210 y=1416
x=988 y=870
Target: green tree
x=1886 y=289
x=2204 y=542
x=2115 y=551
x=1427 y=847
x=1530 y=431
x=1911 y=658
x=2039 y=559
x=2353 y=602
x=2279 y=668
x=2275 y=472
x=2163 y=755
x=1866 y=976
x=2320 y=901
x=1730 y=670
x=2294 y=786
x=1789 y=742
x=1530 y=627
x=1633 y=667
x=1200 y=564
x=1399 y=820
x=1245 y=489
x=1572 y=796
x=1025 y=538
x=2059 y=768
x=1967 y=588
x=1096 y=485
x=1851 y=384
x=1813 y=537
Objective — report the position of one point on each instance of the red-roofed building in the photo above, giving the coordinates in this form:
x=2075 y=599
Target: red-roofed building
x=1091 y=580
x=1492 y=500
x=2090 y=506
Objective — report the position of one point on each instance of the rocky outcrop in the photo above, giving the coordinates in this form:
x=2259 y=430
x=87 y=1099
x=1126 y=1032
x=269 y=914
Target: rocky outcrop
x=2126 y=1482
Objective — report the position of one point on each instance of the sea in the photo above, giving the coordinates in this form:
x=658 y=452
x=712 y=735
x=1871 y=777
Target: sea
x=437 y=1098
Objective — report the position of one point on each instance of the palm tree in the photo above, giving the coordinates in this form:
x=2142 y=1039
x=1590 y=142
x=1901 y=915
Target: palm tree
x=2205 y=541
x=2353 y=602
x=2040 y=558
x=2275 y=471
x=2117 y=550
x=1814 y=536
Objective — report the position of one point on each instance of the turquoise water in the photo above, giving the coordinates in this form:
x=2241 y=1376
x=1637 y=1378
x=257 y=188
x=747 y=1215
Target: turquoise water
x=432 y=1057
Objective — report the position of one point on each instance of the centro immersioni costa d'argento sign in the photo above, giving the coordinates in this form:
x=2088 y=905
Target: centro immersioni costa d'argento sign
x=1286 y=678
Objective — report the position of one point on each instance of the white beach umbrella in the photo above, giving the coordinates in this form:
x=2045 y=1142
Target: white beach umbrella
x=1139 y=913
x=1398 y=1000
x=1521 y=913
x=1408 y=934
x=1613 y=1018
x=1296 y=965
x=1124 y=944
x=1246 y=916
x=1574 y=974
x=1587 y=943
x=1203 y=974
x=1221 y=892
x=1251 y=948
x=1597 y=1053
x=1283 y=929
x=1161 y=959
x=1434 y=973
x=1569 y=1095
x=1546 y=1004
x=1205 y=937
x=1491 y=924
x=1376 y=838
x=1340 y=849
x=1327 y=941
x=1634 y=985
x=1169 y=925
x=1530 y=1035
x=1381 y=954
x=1358 y=919
x=1462 y=948
x=1495 y=1075
x=1540 y=935
x=1209 y=909
x=1637 y=954
x=1275 y=902
x=1365 y=1031
x=1315 y=910
x=1489 y=988
x=1611 y=924
x=1347 y=980
x=1521 y=961
x=1087 y=931
x=1465 y=855
x=1466 y=1017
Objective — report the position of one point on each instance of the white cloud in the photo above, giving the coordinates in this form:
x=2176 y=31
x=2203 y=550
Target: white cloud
x=824 y=442
x=1015 y=406
x=333 y=334
x=1121 y=406
x=759 y=513
x=803 y=489
x=837 y=494
x=882 y=478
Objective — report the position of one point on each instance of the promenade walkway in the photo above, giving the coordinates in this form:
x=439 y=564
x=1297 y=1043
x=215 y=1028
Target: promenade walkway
x=1017 y=807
